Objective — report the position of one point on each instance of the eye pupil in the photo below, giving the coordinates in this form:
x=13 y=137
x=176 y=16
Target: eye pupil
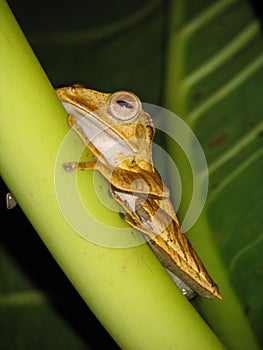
x=124 y=104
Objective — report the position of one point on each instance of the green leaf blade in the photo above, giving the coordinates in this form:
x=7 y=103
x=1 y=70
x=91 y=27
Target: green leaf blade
x=214 y=82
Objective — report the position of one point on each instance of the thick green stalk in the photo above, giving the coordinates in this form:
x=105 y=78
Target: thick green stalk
x=127 y=289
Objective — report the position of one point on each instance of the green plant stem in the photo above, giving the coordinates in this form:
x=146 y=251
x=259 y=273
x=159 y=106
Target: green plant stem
x=127 y=289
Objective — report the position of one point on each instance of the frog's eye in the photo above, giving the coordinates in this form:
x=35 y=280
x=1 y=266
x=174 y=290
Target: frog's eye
x=124 y=106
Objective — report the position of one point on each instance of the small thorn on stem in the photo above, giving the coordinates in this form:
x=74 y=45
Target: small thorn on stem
x=10 y=201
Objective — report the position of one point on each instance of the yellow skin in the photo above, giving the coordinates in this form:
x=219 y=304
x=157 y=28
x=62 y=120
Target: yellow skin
x=120 y=133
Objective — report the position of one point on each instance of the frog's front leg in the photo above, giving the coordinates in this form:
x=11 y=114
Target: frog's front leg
x=71 y=166
x=92 y=165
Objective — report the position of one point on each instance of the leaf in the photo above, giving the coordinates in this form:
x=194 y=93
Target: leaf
x=214 y=81
x=93 y=44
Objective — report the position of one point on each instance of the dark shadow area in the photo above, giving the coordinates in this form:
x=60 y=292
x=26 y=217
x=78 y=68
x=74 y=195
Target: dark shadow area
x=257 y=7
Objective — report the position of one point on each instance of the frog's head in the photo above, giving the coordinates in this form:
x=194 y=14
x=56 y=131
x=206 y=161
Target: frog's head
x=109 y=119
